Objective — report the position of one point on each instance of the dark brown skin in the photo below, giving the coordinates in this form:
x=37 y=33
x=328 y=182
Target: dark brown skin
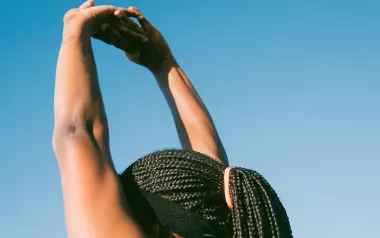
x=195 y=127
x=152 y=52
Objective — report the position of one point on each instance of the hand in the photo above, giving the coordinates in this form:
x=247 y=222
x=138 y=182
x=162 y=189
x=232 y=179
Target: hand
x=153 y=52
x=86 y=19
x=124 y=35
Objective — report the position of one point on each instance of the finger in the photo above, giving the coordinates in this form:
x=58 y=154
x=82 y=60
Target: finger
x=128 y=33
x=112 y=37
x=128 y=22
x=133 y=12
x=103 y=34
x=100 y=12
x=87 y=4
x=108 y=35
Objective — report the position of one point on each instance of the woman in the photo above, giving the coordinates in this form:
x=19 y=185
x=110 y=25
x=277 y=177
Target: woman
x=175 y=193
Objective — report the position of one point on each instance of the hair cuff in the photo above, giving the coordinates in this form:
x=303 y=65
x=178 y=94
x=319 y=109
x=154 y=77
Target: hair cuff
x=227 y=173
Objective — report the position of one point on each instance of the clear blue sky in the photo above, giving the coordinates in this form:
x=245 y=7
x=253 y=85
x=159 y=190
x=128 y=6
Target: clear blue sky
x=293 y=87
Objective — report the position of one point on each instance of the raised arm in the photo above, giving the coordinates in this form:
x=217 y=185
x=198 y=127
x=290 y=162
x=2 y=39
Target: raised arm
x=94 y=205
x=195 y=127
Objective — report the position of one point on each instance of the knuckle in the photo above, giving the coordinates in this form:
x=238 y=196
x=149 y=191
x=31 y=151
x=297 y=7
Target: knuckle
x=134 y=9
x=70 y=14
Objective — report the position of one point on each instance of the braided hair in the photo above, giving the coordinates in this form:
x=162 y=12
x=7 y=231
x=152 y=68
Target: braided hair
x=185 y=190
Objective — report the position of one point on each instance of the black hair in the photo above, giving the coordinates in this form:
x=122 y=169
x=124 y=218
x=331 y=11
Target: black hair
x=185 y=190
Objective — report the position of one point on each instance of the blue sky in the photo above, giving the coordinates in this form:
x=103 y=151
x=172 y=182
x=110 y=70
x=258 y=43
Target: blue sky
x=293 y=87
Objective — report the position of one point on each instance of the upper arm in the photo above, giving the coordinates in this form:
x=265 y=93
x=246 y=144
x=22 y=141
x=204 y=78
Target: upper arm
x=94 y=202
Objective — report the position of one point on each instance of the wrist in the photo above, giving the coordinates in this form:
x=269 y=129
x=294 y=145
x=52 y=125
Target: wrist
x=163 y=68
x=77 y=40
x=162 y=73
x=74 y=30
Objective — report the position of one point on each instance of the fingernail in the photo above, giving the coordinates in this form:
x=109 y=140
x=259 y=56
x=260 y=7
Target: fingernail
x=119 y=14
x=145 y=39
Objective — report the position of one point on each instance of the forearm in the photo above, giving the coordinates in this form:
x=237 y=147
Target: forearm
x=194 y=124
x=77 y=98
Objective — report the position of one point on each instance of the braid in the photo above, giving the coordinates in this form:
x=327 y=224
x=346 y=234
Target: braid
x=195 y=183
x=257 y=211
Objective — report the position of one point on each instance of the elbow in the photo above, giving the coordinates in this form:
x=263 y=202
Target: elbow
x=76 y=126
x=67 y=129
x=81 y=119
x=71 y=120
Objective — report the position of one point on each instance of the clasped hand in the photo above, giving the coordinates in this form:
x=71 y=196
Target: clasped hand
x=143 y=44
